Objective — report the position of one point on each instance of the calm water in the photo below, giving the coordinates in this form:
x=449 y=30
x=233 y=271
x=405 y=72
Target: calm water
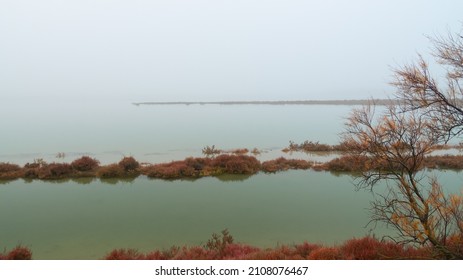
x=69 y=220
x=84 y=219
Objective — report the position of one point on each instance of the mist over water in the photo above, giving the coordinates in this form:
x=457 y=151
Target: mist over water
x=152 y=133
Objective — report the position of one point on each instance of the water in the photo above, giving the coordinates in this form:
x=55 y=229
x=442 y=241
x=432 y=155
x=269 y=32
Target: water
x=150 y=133
x=86 y=218
x=68 y=220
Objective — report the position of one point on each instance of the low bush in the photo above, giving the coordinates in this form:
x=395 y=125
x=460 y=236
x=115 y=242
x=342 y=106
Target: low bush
x=326 y=253
x=55 y=171
x=172 y=170
x=110 y=171
x=125 y=254
x=347 y=163
x=17 y=253
x=6 y=167
x=282 y=164
x=454 y=162
x=129 y=164
x=85 y=163
x=9 y=171
x=222 y=246
x=236 y=164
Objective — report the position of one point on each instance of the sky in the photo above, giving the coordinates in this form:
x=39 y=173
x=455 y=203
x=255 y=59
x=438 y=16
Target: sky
x=213 y=50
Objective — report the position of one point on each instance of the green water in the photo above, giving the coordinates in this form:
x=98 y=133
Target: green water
x=71 y=220
x=85 y=218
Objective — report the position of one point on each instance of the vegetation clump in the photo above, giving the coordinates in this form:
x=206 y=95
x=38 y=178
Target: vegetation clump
x=9 y=171
x=17 y=253
x=200 y=167
x=236 y=164
x=172 y=170
x=129 y=164
x=283 y=164
x=222 y=247
x=110 y=171
x=85 y=163
x=310 y=146
x=454 y=162
x=197 y=167
x=53 y=171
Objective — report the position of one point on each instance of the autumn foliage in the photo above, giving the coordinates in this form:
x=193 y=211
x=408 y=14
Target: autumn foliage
x=218 y=164
x=222 y=247
x=17 y=253
x=85 y=163
x=283 y=164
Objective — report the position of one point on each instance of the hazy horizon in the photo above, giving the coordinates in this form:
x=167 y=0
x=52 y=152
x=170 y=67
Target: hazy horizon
x=202 y=50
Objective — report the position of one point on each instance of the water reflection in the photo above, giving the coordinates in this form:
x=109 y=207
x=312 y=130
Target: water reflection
x=233 y=177
x=114 y=181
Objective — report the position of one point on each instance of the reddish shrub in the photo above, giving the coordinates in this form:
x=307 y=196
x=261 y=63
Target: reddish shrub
x=282 y=164
x=368 y=248
x=222 y=247
x=129 y=164
x=195 y=253
x=326 y=253
x=110 y=171
x=85 y=163
x=280 y=253
x=305 y=249
x=55 y=171
x=9 y=171
x=236 y=251
x=198 y=164
x=348 y=163
x=173 y=170
x=31 y=173
x=6 y=167
x=18 y=253
x=125 y=254
x=237 y=164
x=454 y=162
x=157 y=255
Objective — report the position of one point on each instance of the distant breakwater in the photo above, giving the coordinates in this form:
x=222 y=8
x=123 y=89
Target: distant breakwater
x=382 y=102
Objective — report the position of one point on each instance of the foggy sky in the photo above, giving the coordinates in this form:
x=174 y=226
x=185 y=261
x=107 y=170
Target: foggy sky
x=212 y=50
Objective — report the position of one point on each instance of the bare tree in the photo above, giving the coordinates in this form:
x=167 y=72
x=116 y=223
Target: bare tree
x=418 y=90
x=396 y=144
